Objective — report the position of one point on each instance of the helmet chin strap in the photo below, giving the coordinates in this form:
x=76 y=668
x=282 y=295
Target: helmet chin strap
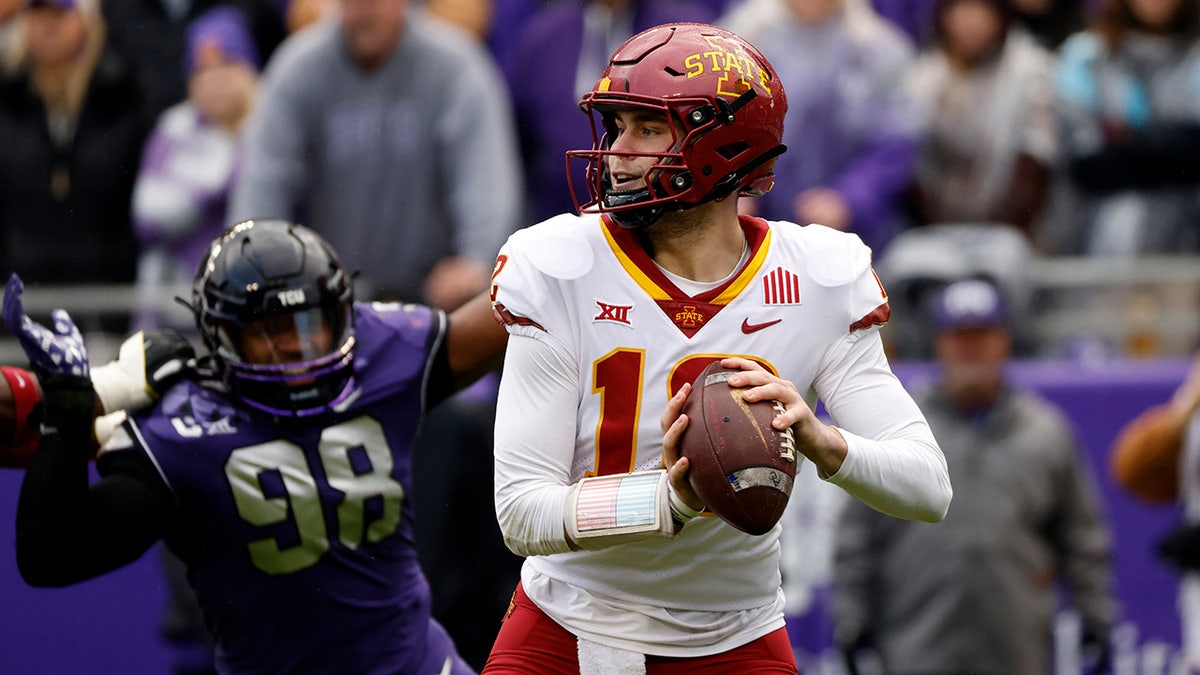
x=632 y=218
x=646 y=216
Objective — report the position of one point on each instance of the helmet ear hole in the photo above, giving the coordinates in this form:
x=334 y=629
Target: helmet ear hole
x=732 y=150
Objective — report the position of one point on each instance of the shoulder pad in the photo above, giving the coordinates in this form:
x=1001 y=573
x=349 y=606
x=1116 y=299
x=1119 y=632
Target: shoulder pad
x=834 y=258
x=534 y=265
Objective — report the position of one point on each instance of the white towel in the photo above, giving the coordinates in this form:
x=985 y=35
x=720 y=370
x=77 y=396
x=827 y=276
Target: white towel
x=598 y=659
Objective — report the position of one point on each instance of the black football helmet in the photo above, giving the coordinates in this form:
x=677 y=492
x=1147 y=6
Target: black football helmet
x=275 y=308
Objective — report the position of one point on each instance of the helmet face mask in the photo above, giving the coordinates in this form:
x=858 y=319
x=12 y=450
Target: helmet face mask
x=274 y=307
x=726 y=108
x=664 y=179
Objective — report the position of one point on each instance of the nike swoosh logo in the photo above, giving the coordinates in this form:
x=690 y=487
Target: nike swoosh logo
x=748 y=327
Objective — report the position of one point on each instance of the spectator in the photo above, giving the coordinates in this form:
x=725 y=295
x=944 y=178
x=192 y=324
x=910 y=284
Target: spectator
x=191 y=158
x=1156 y=457
x=986 y=109
x=392 y=134
x=976 y=593
x=1131 y=112
x=849 y=122
x=152 y=35
x=72 y=124
x=566 y=45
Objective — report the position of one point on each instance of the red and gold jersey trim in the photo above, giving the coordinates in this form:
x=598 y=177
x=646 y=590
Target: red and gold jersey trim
x=650 y=278
x=688 y=313
x=507 y=318
x=876 y=317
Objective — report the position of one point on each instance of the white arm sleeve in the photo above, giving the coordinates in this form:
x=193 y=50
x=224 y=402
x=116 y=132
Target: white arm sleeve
x=535 y=444
x=893 y=462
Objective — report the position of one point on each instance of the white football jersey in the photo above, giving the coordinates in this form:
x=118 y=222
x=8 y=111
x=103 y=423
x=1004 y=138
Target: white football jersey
x=802 y=305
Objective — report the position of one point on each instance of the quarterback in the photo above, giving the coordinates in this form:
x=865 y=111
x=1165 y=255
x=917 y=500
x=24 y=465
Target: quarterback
x=613 y=312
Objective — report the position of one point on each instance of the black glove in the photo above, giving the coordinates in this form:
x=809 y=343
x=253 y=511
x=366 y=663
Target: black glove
x=1181 y=547
x=1095 y=652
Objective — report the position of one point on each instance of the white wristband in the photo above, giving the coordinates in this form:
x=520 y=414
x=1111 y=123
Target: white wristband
x=117 y=389
x=679 y=510
x=121 y=384
x=106 y=425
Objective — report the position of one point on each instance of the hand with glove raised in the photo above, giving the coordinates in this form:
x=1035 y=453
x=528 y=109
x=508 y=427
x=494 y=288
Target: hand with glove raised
x=53 y=354
x=59 y=358
x=147 y=364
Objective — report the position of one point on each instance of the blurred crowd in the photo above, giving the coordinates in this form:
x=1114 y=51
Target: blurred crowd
x=416 y=135
x=958 y=138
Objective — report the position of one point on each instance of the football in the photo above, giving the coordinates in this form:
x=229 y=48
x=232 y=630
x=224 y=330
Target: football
x=741 y=466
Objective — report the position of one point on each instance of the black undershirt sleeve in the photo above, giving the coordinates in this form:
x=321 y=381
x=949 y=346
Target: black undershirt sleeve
x=67 y=529
x=441 y=379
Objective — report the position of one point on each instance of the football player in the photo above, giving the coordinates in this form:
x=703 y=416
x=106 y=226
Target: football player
x=613 y=312
x=279 y=475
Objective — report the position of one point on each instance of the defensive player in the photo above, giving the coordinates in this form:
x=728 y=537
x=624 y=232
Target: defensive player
x=613 y=312
x=281 y=481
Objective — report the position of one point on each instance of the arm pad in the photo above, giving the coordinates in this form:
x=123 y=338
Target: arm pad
x=606 y=510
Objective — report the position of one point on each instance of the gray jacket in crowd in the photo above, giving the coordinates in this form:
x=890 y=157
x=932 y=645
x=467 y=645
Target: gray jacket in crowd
x=398 y=167
x=976 y=592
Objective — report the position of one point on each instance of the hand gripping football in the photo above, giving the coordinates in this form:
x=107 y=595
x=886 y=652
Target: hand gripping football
x=741 y=466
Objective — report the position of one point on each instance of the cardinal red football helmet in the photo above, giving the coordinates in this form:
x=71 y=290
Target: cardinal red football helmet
x=718 y=89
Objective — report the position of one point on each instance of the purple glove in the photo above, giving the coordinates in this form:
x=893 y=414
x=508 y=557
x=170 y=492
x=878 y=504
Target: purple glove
x=53 y=354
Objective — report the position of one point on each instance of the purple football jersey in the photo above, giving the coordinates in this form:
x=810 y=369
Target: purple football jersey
x=297 y=533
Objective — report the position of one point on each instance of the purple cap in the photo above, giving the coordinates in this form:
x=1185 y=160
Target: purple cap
x=225 y=26
x=969 y=303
